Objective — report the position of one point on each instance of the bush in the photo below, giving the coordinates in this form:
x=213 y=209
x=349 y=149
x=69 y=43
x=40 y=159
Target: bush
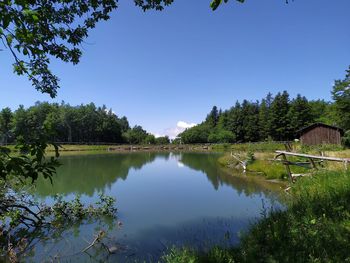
x=221 y=136
x=197 y=134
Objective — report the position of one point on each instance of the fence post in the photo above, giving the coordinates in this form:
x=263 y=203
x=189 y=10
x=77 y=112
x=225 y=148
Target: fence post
x=286 y=163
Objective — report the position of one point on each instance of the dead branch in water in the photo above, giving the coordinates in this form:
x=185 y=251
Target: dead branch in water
x=242 y=163
x=97 y=239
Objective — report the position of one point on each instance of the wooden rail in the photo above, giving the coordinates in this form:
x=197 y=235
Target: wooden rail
x=311 y=162
x=315 y=156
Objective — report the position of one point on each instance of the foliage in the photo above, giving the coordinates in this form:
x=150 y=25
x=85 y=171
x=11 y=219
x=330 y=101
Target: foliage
x=299 y=114
x=250 y=157
x=24 y=220
x=216 y=3
x=264 y=117
x=213 y=117
x=30 y=163
x=21 y=217
x=35 y=31
x=64 y=212
x=6 y=117
x=341 y=97
x=136 y=135
x=279 y=120
x=197 y=134
x=150 y=139
x=162 y=140
x=64 y=123
x=185 y=255
x=221 y=137
x=313 y=228
x=274 y=118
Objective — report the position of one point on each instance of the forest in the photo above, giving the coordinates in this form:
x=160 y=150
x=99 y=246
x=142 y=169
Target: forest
x=273 y=118
x=276 y=118
x=63 y=123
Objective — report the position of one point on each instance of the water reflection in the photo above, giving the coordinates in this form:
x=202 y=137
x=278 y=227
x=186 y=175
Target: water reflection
x=163 y=199
x=87 y=175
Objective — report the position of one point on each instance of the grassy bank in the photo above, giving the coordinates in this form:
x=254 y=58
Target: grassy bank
x=259 y=157
x=314 y=228
x=245 y=147
x=268 y=147
x=123 y=148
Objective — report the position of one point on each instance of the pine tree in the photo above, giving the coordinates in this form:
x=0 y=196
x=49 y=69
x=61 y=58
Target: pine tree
x=5 y=124
x=213 y=117
x=341 y=97
x=264 y=112
x=250 y=117
x=279 y=118
x=300 y=114
x=235 y=122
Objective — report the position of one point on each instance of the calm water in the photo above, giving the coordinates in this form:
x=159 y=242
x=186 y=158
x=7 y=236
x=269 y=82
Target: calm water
x=163 y=200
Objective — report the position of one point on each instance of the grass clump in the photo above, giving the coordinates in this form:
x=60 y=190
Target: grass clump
x=316 y=149
x=274 y=170
x=315 y=227
x=215 y=255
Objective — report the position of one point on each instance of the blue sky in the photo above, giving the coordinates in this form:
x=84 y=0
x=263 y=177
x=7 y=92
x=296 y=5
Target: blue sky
x=159 y=68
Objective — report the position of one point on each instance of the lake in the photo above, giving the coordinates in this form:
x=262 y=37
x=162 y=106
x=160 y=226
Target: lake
x=163 y=200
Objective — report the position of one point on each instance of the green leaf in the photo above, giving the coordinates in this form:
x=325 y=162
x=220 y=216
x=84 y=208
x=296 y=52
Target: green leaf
x=9 y=39
x=6 y=21
x=25 y=51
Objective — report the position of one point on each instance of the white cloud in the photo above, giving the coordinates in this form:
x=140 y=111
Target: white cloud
x=185 y=125
x=174 y=131
x=107 y=111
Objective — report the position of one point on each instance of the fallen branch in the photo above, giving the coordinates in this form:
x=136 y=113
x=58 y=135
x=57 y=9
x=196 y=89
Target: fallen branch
x=242 y=163
x=97 y=239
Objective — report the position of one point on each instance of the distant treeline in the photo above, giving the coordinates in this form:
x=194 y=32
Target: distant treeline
x=65 y=123
x=275 y=118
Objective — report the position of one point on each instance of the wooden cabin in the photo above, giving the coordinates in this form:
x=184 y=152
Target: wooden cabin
x=320 y=133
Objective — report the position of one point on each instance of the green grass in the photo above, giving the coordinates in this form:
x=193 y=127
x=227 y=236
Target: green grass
x=321 y=148
x=315 y=227
x=245 y=147
x=274 y=170
x=264 y=165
